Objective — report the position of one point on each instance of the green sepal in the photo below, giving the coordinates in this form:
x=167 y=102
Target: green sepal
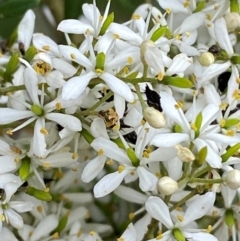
x=100 y=61
x=87 y=136
x=200 y=6
x=177 y=128
x=39 y=194
x=231 y=122
x=229 y=218
x=168 y=34
x=106 y=23
x=12 y=39
x=198 y=123
x=30 y=53
x=178 y=235
x=158 y=33
x=230 y=152
x=24 y=169
x=11 y=67
x=201 y=157
x=62 y=224
x=235 y=59
x=132 y=156
x=177 y=82
x=37 y=110
x=234 y=6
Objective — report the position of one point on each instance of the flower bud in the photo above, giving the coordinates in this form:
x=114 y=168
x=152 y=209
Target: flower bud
x=184 y=154
x=24 y=169
x=39 y=194
x=167 y=186
x=206 y=59
x=232 y=21
x=154 y=117
x=232 y=179
x=229 y=218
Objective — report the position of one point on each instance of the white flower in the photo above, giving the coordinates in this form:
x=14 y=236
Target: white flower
x=197 y=209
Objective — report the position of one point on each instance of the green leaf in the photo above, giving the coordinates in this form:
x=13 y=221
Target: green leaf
x=11 y=12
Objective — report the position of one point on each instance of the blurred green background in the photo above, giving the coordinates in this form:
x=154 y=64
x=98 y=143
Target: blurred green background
x=11 y=12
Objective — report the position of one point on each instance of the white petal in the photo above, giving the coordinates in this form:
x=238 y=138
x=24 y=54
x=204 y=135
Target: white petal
x=162 y=154
x=7 y=164
x=129 y=234
x=74 y=26
x=111 y=150
x=76 y=85
x=21 y=206
x=174 y=5
x=209 y=114
x=159 y=210
x=7 y=235
x=169 y=139
x=118 y=86
x=68 y=70
x=46 y=226
x=119 y=103
x=66 y=121
x=8 y=115
x=14 y=218
x=93 y=168
x=109 y=183
x=211 y=94
x=98 y=128
x=198 y=208
x=147 y=180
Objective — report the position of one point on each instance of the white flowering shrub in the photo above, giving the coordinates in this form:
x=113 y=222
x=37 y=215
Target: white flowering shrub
x=133 y=135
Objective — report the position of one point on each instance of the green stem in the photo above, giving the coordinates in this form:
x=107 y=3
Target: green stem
x=208 y=181
x=151 y=229
x=9 y=89
x=145 y=71
x=139 y=94
x=202 y=171
x=182 y=201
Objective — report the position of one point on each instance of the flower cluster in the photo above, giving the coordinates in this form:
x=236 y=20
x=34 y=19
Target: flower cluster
x=144 y=115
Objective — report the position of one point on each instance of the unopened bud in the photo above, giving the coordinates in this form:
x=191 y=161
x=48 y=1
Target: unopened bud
x=232 y=179
x=232 y=21
x=38 y=194
x=206 y=59
x=154 y=117
x=167 y=186
x=184 y=154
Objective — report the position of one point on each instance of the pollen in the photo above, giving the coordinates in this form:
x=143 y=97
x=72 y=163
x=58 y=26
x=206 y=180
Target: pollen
x=73 y=56
x=131 y=216
x=16 y=149
x=130 y=60
x=46 y=47
x=9 y=132
x=44 y=131
x=42 y=67
x=100 y=152
x=136 y=16
x=121 y=168
x=39 y=209
x=92 y=233
x=230 y=133
x=180 y=218
x=110 y=162
x=160 y=76
x=74 y=155
x=58 y=106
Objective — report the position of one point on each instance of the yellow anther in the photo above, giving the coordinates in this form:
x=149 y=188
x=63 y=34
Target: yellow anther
x=186 y=4
x=16 y=149
x=46 y=47
x=39 y=209
x=195 y=93
x=73 y=56
x=121 y=168
x=143 y=122
x=130 y=60
x=136 y=16
x=131 y=216
x=179 y=209
x=46 y=164
x=222 y=122
x=100 y=152
x=99 y=71
x=180 y=218
x=160 y=236
x=216 y=7
x=79 y=233
x=132 y=173
x=74 y=155
x=58 y=106
x=158 y=174
x=1 y=54
x=88 y=215
x=120 y=239
x=168 y=10
x=116 y=36
x=187 y=34
x=110 y=162
x=160 y=76
x=75 y=169
x=126 y=70
x=16 y=159
x=193 y=126
x=214 y=212
x=146 y=154
x=100 y=18
x=223 y=106
x=46 y=189
x=178 y=37
x=2 y=217
x=88 y=32
x=116 y=127
x=236 y=94
x=208 y=16
x=42 y=67
x=179 y=104
x=209 y=228
x=9 y=132
x=44 y=131
x=55 y=235
x=238 y=80
x=230 y=133
x=92 y=233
